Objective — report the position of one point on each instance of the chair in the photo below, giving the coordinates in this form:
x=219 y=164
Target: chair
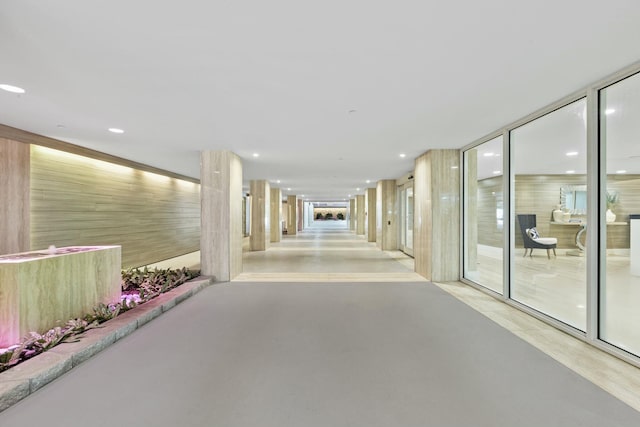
x=528 y=222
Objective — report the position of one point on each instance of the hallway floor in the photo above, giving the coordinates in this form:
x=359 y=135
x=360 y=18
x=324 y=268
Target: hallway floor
x=321 y=354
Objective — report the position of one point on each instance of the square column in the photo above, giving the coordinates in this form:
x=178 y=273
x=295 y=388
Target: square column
x=370 y=215
x=352 y=214
x=300 y=214
x=276 y=214
x=260 y=237
x=360 y=209
x=221 y=214
x=437 y=215
x=292 y=217
x=387 y=227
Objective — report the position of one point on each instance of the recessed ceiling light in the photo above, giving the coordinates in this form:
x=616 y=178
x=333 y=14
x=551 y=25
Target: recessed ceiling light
x=289 y=189
x=116 y=130
x=256 y=155
x=302 y=195
x=571 y=171
x=358 y=189
x=488 y=154
x=278 y=181
x=572 y=153
x=497 y=172
x=609 y=111
x=368 y=181
x=621 y=171
x=348 y=195
x=403 y=155
x=12 y=89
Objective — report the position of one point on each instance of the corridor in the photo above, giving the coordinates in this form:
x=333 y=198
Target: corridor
x=324 y=353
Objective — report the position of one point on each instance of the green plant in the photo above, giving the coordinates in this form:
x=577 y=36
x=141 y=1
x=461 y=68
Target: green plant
x=612 y=199
x=340 y=216
x=148 y=284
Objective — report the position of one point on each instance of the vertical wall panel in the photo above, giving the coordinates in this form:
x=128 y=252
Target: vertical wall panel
x=370 y=216
x=14 y=196
x=80 y=201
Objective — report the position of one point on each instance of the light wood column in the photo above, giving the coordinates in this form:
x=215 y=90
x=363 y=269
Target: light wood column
x=292 y=218
x=14 y=196
x=221 y=214
x=260 y=215
x=360 y=209
x=300 y=214
x=352 y=214
x=437 y=215
x=370 y=216
x=276 y=214
x=387 y=229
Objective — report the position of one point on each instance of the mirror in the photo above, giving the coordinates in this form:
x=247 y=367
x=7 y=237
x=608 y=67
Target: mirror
x=573 y=199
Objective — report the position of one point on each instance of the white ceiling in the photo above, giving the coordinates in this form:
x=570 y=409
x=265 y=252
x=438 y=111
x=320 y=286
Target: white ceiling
x=281 y=78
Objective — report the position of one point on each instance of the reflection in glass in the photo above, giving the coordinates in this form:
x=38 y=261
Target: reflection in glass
x=483 y=220
x=550 y=154
x=620 y=293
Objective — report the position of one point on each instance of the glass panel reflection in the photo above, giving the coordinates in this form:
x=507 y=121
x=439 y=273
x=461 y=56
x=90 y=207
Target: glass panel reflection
x=483 y=221
x=620 y=226
x=549 y=155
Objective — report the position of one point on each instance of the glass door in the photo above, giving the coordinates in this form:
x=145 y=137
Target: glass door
x=406 y=218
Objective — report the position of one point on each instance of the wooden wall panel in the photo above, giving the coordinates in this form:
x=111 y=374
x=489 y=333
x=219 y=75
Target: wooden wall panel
x=360 y=211
x=80 y=201
x=14 y=196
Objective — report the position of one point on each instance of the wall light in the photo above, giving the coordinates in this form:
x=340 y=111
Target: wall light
x=572 y=153
x=116 y=130
x=621 y=171
x=609 y=111
x=571 y=171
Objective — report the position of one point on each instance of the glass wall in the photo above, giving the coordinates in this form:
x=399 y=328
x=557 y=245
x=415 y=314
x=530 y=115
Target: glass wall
x=620 y=138
x=483 y=215
x=549 y=158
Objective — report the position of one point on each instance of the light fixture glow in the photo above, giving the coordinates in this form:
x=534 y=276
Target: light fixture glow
x=12 y=89
x=571 y=171
x=609 y=111
x=358 y=189
x=348 y=195
x=488 y=154
x=403 y=155
x=497 y=172
x=116 y=130
x=278 y=181
x=368 y=181
x=256 y=155
x=289 y=189
x=621 y=171
x=454 y=167
x=572 y=153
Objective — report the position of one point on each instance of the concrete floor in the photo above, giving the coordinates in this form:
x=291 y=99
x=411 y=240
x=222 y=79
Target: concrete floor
x=340 y=354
